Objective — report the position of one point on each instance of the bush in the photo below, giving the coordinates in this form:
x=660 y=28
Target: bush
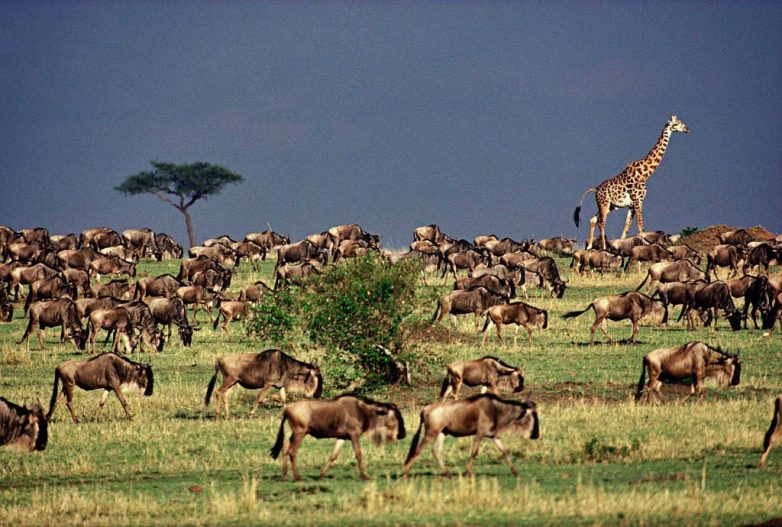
x=353 y=309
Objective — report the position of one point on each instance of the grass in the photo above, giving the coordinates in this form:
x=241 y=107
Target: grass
x=601 y=458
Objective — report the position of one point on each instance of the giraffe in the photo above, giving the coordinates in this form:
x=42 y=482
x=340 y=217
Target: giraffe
x=628 y=188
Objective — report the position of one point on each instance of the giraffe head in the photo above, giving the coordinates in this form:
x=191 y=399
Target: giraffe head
x=676 y=125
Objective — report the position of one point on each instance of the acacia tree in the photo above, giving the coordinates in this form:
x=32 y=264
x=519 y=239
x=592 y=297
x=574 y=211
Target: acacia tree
x=180 y=185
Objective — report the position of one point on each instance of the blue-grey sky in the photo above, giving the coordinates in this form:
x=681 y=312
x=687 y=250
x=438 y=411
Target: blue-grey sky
x=478 y=116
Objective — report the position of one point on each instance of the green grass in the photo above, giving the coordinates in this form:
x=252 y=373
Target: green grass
x=601 y=459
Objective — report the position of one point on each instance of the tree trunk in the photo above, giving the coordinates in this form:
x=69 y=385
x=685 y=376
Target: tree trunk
x=189 y=223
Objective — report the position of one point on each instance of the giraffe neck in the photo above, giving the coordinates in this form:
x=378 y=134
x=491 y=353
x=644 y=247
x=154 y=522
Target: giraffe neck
x=655 y=155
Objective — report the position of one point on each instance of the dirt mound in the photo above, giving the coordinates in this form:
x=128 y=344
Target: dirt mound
x=704 y=240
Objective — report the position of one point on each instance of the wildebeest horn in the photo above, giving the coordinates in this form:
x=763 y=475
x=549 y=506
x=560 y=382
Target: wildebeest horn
x=269 y=225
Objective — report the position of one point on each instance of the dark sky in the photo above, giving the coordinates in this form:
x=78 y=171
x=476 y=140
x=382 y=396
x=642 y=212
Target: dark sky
x=479 y=116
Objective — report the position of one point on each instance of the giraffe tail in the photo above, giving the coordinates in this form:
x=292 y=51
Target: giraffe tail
x=577 y=212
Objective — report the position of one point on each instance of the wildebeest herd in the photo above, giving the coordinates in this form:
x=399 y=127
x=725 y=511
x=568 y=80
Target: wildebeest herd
x=64 y=277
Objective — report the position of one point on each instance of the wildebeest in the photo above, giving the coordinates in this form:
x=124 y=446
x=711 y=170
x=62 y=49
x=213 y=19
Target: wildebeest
x=190 y=266
x=759 y=295
x=482 y=416
x=6 y=307
x=230 y=310
x=254 y=291
x=623 y=246
x=250 y=251
x=324 y=241
x=265 y=370
x=353 y=231
x=770 y=319
x=774 y=431
x=345 y=417
x=736 y=237
x=171 y=310
x=546 y=267
x=294 y=273
x=116 y=319
x=648 y=253
x=430 y=233
x=353 y=249
x=760 y=257
x=164 y=285
x=218 y=252
x=80 y=279
x=517 y=313
x=49 y=289
x=196 y=296
x=724 y=256
x=119 y=288
x=21 y=427
x=299 y=252
x=678 y=271
x=557 y=245
x=494 y=284
x=212 y=280
x=26 y=275
x=632 y=305
x=142 y=241
x=113 y=266
x=595 y=259
x=461 y=302
x=658 y=237
x=507 y=245
x=168 y=247
x=488 y=371
x=464 y=260
x=53 y=313
x=121 y=252
x=694 y=359
x=675 y=293
x=107 y=371
x=99 y=238
x=685 y=252
x=78 y=258
x=712 y=298
x=269 y=240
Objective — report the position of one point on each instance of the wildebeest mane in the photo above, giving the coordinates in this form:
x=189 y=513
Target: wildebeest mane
x=500 y=361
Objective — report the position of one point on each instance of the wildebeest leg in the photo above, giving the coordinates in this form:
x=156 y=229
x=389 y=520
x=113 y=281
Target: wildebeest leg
x=716 y=317
x=67 y=389
x=773 y=434
x=103 y=398
x=477 y=321
x=437 y=450
x=40 y=338
x=635 y=330
x=418 y=450
x=293 y=448
x=529 y=334
x=26 y=337
x=260 y=398
x=692 y=392
x=506 y=454
x=476 y=446
x=118 y=393
x=628 y=223
x=222 y=394
x=333 y=457
x=354 y=440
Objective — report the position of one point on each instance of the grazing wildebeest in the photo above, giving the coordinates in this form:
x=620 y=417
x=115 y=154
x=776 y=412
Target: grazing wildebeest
x=108 y=372
x=724 y=256
x=269 y=369
x=494 y=284
x=648 y=253
x=345 y=417
x=121 y=252
x=112 y=266
x=675 y=293
x=251 y=251
x=464 y=260
x=546 y=267
x=507 y=245
x=685 y=252
x=254 y=291
x=144 y=322
x=78 y=258
x=85 y=306
x=774 y=431
x=168 y=247
x=773 y=315
x=500 y=271
x=53 y=313
x=100 y=238
x=198 y=296
x=21 y=427
x=759 y=295
x=189 y=267
x=760 y=257
x=482 y=416
x=49 y=289
x=517 y=313
x=623 y=246
x=694 y=359
x=115 y=319
x=215 y=281
x=461 y=302
x=557 y=245
x=515 y=260
x=595 y=259
x=218 y=252
x=171 y=310
x=712 y=298
x=489 y=372
x=678 y=271
x=163 y=285
x=230 y=310
x=27 y=274
x=294 y=274
x=736 y=237
x=632 y=305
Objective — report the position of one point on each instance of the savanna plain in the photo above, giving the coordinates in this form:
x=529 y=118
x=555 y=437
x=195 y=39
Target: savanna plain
x=601 y=458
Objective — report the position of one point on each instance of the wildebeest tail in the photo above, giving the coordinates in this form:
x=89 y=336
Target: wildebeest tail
x=485 y=325
x=217 y=320
x=644 y=281
x=545 y=319
x=574 y=314
x=416 y=438
x=640 y=388
x=211 y=387
x=577 y=212
x=447 y=381
x=29 y=299
x=275 y=451
x=436 y=312
x=54 y=393
x=774 y=423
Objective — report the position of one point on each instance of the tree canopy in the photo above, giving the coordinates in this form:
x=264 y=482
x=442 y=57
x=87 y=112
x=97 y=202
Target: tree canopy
x=180 y=185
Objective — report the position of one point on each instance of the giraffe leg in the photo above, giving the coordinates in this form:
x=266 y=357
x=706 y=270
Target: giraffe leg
x=592 y=224
x=639 y=215
x=602 y=214
x=628 y=223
